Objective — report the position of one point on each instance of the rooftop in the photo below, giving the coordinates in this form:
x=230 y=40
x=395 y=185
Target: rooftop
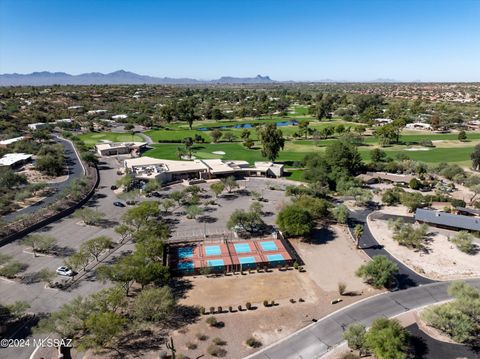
x=11 y=140
x=448 y=219
x=12 y=158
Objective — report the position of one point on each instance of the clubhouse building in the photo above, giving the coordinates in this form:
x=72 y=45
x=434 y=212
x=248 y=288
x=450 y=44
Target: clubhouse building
x=169 y=171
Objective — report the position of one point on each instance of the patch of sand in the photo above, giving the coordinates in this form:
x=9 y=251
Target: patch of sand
x=443 y=262
x=218 y=152
x=417 y=149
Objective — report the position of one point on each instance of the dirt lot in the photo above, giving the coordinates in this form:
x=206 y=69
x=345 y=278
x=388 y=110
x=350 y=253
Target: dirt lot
x=443 y=262
x=329 y=259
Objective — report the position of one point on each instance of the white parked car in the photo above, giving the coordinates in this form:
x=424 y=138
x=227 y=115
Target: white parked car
x=64 y=271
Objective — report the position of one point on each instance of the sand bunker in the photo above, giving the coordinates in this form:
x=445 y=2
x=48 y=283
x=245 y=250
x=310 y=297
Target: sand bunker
x=418 y=149
x=218 y=152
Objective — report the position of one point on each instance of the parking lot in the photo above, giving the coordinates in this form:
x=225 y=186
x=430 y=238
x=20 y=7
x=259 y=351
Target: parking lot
x=70 y=233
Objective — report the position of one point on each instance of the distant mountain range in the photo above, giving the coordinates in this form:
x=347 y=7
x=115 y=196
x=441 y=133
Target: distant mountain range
x=120 y=77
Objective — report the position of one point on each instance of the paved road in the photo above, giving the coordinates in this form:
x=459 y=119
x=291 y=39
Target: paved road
x=428 y=348
x=406 y=277
x=75 y=171
x=316 y=339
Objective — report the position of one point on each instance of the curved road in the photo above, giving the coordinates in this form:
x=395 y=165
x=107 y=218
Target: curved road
x=75 y=171
x=416 y=291
x=406 y=277
x=316 y=339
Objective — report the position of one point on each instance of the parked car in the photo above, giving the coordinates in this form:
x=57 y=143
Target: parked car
x=113 y=188
x=64 y=271
x=118 y=204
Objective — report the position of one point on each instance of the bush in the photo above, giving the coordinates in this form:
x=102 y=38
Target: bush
x=212 y=321
x=201 y=336
x=248 y=305
x=294 y=220
x=340 y=213
x=355 y=336
x=458 y=318
x=219 y=341
x=220 y=309
x=11 y=269
x=216 y=351
x=464 y=242
x=341 y=288
x=386 y=338
x=212 y=310
x=202 y=310
x=379 y=272
x=253 y=343
x=191 y=346
x=409 y=236
x=265 y=303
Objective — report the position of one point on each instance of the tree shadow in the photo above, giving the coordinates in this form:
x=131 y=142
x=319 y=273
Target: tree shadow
x=321 y=235
x=207 y=219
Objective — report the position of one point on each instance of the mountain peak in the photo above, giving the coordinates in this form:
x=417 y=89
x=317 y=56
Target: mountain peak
x=119 y=77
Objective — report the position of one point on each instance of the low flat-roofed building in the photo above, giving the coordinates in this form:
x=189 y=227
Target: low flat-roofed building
x=170 y=170
x=37 y=126
x=5 y=143
x=115 y=148
x=447 y=220
x=64 y=120
x=15 y=160
x=382 y=121
x=419 y=126
x=166 y=170
x=269 y=169
x=373 y=177
x=119 y=117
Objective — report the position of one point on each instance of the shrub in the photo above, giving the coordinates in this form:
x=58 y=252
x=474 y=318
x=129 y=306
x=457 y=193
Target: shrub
x=230 y=309
x=341 y=288
x=295 y=265
x=294 y=220
x=355 y=336
x=379 y=272
x=212 y=321
x=464 y=242
x=220 y=309
x=191 y=346
x=340 y=214
x=409 y=236
x=265 y=303
x=202 y=310
x=240 y=308
x=253 y=343
x=11 y=269
x=248 y=305
x=201 y=336
x=219 y=341
x=216 y=351
x=212 y=310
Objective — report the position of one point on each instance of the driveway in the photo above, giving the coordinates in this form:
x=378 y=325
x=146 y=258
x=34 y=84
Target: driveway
x=316 y=339
x=75 y=171
x=406 y=277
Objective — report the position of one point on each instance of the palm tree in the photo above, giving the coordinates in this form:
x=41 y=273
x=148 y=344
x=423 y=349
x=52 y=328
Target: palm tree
x=358 y=232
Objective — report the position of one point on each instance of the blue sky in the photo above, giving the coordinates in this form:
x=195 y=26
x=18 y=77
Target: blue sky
x=358 y=40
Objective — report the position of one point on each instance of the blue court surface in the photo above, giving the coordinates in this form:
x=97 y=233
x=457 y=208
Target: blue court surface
x=269 y=246
x=242 y=248
x=216 y=263
x=246 y=260
x=275 y=257
x=213 y=250
x=185 y=252
x=185 y=266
